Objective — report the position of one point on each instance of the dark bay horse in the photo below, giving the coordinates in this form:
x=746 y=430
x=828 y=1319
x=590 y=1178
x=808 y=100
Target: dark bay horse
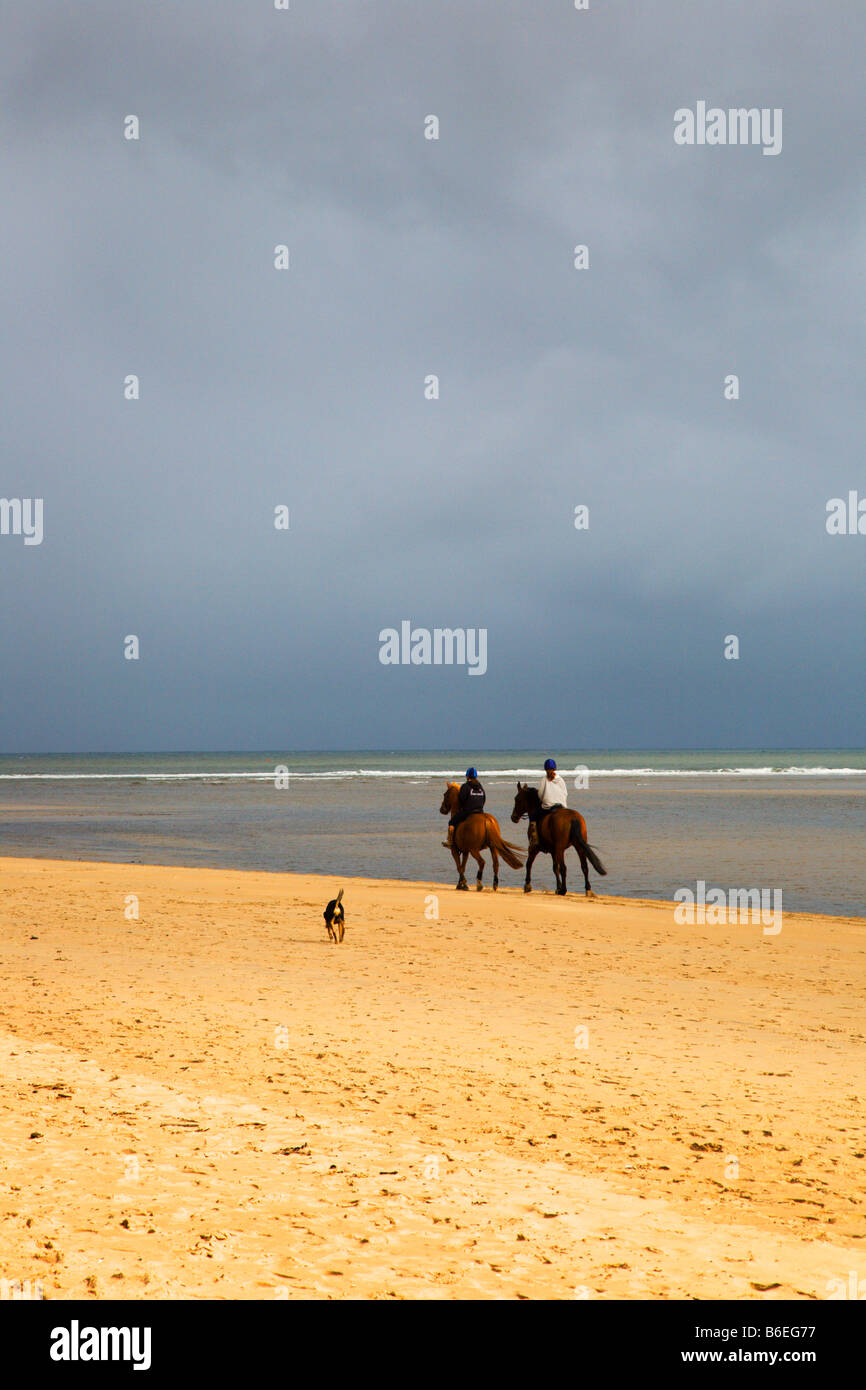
x=556 y=832
x=479 y=831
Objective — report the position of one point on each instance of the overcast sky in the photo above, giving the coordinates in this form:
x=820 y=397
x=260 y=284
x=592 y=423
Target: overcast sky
x=410 y=256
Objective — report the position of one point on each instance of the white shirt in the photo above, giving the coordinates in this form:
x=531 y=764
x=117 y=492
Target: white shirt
x=553 y=791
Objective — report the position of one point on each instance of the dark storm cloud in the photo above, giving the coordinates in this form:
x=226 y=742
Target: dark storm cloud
x=409 y=257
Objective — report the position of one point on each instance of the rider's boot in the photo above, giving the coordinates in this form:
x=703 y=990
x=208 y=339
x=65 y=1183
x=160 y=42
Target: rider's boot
x=533 y=834
x=449 y=843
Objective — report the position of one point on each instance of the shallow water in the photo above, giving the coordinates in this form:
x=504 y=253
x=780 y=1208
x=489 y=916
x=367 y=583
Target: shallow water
x=666 y=821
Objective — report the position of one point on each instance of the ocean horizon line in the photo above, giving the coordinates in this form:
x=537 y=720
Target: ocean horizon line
x=335 y=765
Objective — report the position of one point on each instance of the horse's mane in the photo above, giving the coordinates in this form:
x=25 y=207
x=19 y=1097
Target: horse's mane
x=454 y=784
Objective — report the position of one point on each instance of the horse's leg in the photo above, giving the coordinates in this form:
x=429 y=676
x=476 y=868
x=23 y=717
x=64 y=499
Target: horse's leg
x=460 y=857
x=530 y=860
x=488 y=844
x=478 y=877
x=579 y=842
x=563 y=879
x=583 y=865
x=559 y=869
x=551 y=850
x=455 y=855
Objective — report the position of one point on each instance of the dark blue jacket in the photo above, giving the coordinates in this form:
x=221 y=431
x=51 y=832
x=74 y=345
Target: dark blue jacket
x=471 y=797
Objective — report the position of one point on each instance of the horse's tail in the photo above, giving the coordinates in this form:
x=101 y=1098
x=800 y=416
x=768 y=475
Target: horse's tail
x=509 y=852
x=580 y=843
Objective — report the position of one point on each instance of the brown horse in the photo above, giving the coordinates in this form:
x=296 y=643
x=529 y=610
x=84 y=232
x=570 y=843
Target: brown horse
x=556 y=832
x=479 y=831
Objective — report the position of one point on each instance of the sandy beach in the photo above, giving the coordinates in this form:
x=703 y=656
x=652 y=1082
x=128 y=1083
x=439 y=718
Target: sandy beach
x=524 y=1097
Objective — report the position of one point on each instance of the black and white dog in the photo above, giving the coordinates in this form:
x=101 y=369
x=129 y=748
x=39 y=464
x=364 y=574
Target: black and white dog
x=335 y=917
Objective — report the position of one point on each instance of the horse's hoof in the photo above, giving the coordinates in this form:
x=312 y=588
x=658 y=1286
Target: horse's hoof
x=495 y=884
x=527 y=887
x=463 y=887
x=479 y=887
x=590 y=894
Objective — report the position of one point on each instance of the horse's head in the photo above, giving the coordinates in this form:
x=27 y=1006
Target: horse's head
x=449 y=800
x=521 y=802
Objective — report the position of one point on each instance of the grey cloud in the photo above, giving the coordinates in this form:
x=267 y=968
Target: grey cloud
x=409 y=257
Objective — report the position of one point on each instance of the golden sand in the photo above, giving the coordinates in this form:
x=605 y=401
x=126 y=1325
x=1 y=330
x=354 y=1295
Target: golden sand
x=215 y=1101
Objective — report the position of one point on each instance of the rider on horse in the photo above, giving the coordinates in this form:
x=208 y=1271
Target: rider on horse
x=470 y=798
x=552 y=792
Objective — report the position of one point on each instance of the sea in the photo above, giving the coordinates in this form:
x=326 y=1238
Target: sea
x=787 y=819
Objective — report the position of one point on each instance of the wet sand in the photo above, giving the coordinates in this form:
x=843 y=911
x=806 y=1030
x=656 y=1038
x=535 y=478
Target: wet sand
x=212 y=1101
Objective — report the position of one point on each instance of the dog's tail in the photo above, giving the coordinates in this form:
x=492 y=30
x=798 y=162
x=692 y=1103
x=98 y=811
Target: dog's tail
x=580 y=843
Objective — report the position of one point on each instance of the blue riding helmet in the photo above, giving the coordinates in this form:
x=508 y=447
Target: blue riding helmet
x=472 y=772
x=550 y=765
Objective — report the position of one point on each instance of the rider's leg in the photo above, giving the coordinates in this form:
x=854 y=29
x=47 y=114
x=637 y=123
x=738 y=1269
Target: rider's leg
x=534 y=839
